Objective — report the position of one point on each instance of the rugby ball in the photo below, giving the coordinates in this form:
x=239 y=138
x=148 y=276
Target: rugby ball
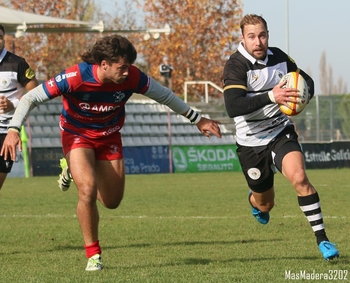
x=295 y=80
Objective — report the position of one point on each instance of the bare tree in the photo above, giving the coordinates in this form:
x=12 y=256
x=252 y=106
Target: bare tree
x=330 y=86
x=326 y=79
x=323 y=73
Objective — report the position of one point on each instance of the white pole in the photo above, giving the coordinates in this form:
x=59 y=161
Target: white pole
x=287 y=26
x=206 y=93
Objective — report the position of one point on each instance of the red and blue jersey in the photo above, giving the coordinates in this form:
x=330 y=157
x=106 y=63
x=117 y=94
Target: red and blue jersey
x=90 y=108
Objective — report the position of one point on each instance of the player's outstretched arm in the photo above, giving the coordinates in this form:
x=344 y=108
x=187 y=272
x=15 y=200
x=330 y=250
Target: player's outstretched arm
x=167 y=97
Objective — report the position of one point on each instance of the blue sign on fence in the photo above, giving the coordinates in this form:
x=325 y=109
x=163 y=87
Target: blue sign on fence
x=146 y=159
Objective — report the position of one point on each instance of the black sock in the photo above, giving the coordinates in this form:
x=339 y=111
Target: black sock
x=311 y=207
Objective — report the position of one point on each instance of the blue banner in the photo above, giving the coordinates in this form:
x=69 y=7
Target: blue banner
x=146 y=159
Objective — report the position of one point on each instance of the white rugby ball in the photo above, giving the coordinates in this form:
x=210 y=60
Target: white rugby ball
x=295 y=80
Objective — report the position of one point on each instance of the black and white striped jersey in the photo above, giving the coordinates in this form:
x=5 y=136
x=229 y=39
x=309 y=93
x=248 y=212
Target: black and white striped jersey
x=15 y=73
x=257 y=77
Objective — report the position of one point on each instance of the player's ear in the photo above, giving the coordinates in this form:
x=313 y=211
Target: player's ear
x=104 y=64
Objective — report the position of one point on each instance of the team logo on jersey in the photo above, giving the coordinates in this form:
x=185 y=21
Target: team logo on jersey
x=118 y=96
x=86 y=96
x=97 y=108
x=255 y=77
x=65 y=76
x=84 y=106
x=279 y=75
x=76 y=139
x=5 y=82
x=113 y=148
x=254 y=173
x=29 y=73
x=50 y=83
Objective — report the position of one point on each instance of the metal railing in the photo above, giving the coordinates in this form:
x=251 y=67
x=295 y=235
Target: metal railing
x=206 y=88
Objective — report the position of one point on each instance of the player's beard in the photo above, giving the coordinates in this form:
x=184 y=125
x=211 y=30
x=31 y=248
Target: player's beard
x=260 y=54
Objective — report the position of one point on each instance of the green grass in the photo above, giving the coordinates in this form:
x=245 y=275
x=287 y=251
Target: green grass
x=170 y=228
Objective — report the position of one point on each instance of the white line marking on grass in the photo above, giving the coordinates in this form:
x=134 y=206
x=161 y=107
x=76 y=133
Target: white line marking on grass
x=298 y=216
x=36 y=216
x=155 y=217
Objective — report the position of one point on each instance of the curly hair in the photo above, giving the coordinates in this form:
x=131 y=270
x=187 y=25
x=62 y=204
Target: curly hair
x=110 y=48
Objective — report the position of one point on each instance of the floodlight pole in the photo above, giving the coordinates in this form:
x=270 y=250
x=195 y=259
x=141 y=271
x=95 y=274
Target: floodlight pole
x=287 y=26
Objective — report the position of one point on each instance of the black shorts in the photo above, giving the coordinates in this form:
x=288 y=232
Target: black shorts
x=5 y=166
x=259 y=163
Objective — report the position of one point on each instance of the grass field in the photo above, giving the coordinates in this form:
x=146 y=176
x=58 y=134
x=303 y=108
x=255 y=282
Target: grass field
x=172 y=228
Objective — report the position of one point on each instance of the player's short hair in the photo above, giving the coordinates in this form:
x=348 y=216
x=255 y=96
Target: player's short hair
x=252 y=19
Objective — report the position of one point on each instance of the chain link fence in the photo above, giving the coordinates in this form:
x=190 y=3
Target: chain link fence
x=324 y=119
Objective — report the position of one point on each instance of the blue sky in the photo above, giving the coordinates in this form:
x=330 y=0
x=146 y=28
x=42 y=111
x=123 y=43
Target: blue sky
x=314 y=26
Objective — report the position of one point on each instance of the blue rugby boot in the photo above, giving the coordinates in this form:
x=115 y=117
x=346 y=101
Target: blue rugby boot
x=328 y=250
x=261 y=217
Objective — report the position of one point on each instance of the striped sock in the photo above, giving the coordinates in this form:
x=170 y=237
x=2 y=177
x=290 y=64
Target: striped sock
x=310 y=205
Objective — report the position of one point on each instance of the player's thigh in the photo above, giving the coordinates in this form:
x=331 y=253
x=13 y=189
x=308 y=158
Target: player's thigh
x=110 y=176
x=293 y=169
x=81 y=163
x=256 y=167
x=290 y=161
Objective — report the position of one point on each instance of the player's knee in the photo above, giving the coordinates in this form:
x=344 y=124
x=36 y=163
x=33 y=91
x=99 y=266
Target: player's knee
x=87 y=196
x=299 y=178
x=112 y=203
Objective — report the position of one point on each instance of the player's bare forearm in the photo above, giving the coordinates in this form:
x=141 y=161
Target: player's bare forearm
x=209 y=127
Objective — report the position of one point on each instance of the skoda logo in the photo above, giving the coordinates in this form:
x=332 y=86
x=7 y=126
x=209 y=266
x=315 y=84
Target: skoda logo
x=179 y=159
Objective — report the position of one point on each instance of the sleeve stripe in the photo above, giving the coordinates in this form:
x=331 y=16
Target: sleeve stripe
x=235 y=86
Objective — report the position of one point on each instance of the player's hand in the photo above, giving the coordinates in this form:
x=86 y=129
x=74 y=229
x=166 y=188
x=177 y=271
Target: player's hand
x=8 y=150
x=283 y=95
x=209 y=127
x=5 y=105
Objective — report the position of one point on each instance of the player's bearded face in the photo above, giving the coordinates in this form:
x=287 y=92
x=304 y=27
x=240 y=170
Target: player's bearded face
x=255 y=40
